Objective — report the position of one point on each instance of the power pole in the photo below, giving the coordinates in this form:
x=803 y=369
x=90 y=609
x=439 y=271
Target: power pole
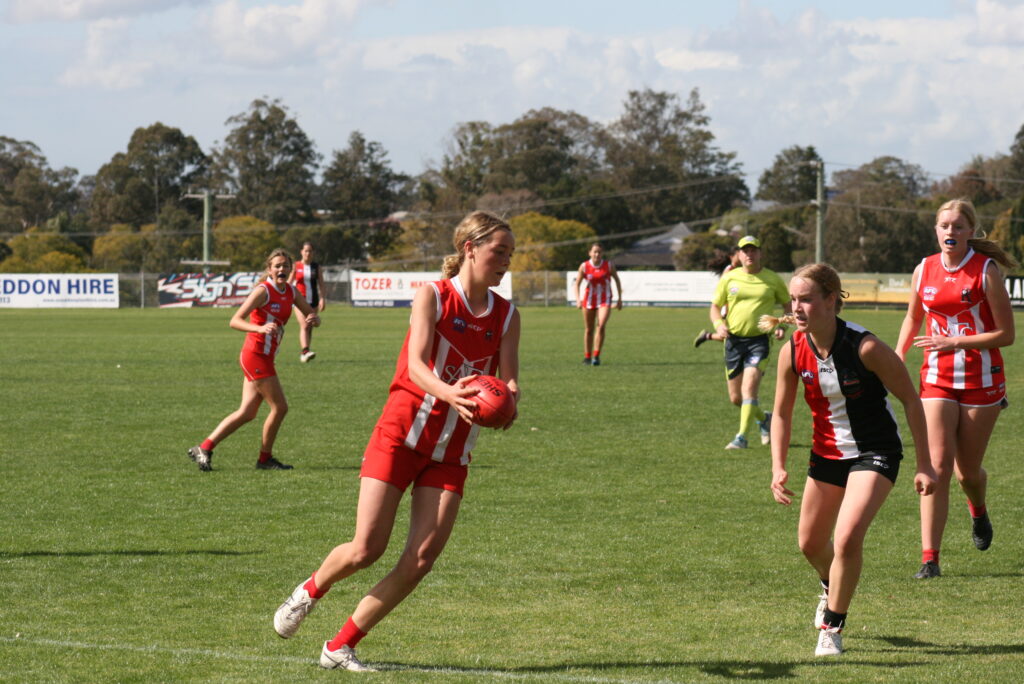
x=207 y=198
x=819 y=203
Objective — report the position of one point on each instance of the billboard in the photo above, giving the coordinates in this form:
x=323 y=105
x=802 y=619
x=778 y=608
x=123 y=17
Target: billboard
x=398 y=288
x=656 y=288
x=205 y=289
x=59 y=291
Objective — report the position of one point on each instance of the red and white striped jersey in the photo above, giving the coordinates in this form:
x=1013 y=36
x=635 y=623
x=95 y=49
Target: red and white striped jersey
x=463 y=345
x=849 y=404
x=598 y=283
x=278 y=308
x=306 y=281
x=956 y=304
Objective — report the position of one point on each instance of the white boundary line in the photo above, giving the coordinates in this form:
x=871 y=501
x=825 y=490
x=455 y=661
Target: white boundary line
x=444 y=671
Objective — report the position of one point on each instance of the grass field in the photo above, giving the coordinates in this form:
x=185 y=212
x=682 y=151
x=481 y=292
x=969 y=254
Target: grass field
x=608 y=537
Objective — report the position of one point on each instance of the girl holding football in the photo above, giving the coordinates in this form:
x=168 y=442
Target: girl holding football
x=459 y=329
x=846 y=374
x=597 y=273
x=261 y=317
x=961 y=293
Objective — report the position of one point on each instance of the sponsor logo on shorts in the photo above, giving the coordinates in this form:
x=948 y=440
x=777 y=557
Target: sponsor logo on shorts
x=878 y=463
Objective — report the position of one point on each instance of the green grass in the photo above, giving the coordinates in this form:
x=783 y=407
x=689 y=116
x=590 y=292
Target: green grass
x=607 y=538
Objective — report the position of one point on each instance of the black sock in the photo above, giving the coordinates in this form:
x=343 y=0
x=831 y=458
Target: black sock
x=834 y=619
x=824 y=584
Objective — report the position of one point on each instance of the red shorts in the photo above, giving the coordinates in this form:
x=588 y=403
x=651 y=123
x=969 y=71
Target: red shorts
x=988 y=396
x=256 y=366
x=389 y=460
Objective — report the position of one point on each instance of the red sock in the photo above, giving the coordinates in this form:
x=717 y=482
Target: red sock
x=350 y=635
x=207 y=445
x=312 y=589
x=586 y=356
x=976 y=511
x=930 y=556
x=597 y=353
x=264 y=456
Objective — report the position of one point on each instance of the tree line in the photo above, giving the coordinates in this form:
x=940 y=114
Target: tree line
x=561 y=178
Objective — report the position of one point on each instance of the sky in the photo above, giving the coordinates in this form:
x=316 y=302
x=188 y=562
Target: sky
x=932 y=82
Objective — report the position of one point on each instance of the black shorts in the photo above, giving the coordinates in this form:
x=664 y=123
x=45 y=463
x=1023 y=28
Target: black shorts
x=836 y=471
x=745 y=352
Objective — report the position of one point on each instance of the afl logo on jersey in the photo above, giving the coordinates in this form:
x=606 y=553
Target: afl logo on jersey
x=459 y=324
x=807 y=376
x=929 y=293
x=275 y=307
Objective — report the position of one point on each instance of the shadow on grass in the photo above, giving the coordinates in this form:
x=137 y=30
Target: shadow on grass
x=728 y=669
x=136 y=552
x=913 y=644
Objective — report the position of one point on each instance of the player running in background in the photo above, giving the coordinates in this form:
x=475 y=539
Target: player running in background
x=309 y=280
x=746 y=294
x=961 y=292
x=459 y=328
x=846 y=374
x=267 y=309
x=597 y=273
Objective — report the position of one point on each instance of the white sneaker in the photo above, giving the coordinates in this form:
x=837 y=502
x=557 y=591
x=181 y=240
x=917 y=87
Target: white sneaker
x=819 y=612
x=293 y=611
x=306 y=357
x=830 y=641
x=765 y=427
x=344 y=658
x=738 y=442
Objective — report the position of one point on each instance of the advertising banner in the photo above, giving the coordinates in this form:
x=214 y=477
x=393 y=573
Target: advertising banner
x=59 y=291
x=399 y=288
x=656 y=288
x=205 y=289
x=1015 y=286
x=696 y=288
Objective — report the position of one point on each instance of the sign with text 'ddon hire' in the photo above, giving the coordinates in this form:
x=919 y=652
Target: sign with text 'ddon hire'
x=398 y=288
x=59 y=291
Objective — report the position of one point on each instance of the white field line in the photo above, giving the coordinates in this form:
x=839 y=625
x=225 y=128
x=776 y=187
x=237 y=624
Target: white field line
x=230 y=655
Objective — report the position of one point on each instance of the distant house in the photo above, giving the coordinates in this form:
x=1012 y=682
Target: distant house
x=653 y=253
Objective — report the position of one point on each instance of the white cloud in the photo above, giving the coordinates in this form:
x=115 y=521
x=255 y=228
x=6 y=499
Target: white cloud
x=930 y=91
x=24 y=11
x=276 y=34
x=1000 y=23
x=107 y=62
x=693 y=60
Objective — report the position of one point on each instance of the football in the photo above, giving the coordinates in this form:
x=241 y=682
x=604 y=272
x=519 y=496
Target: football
x=495 y=404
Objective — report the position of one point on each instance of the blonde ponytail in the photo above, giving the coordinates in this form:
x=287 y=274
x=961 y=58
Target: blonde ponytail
x=477 y=227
